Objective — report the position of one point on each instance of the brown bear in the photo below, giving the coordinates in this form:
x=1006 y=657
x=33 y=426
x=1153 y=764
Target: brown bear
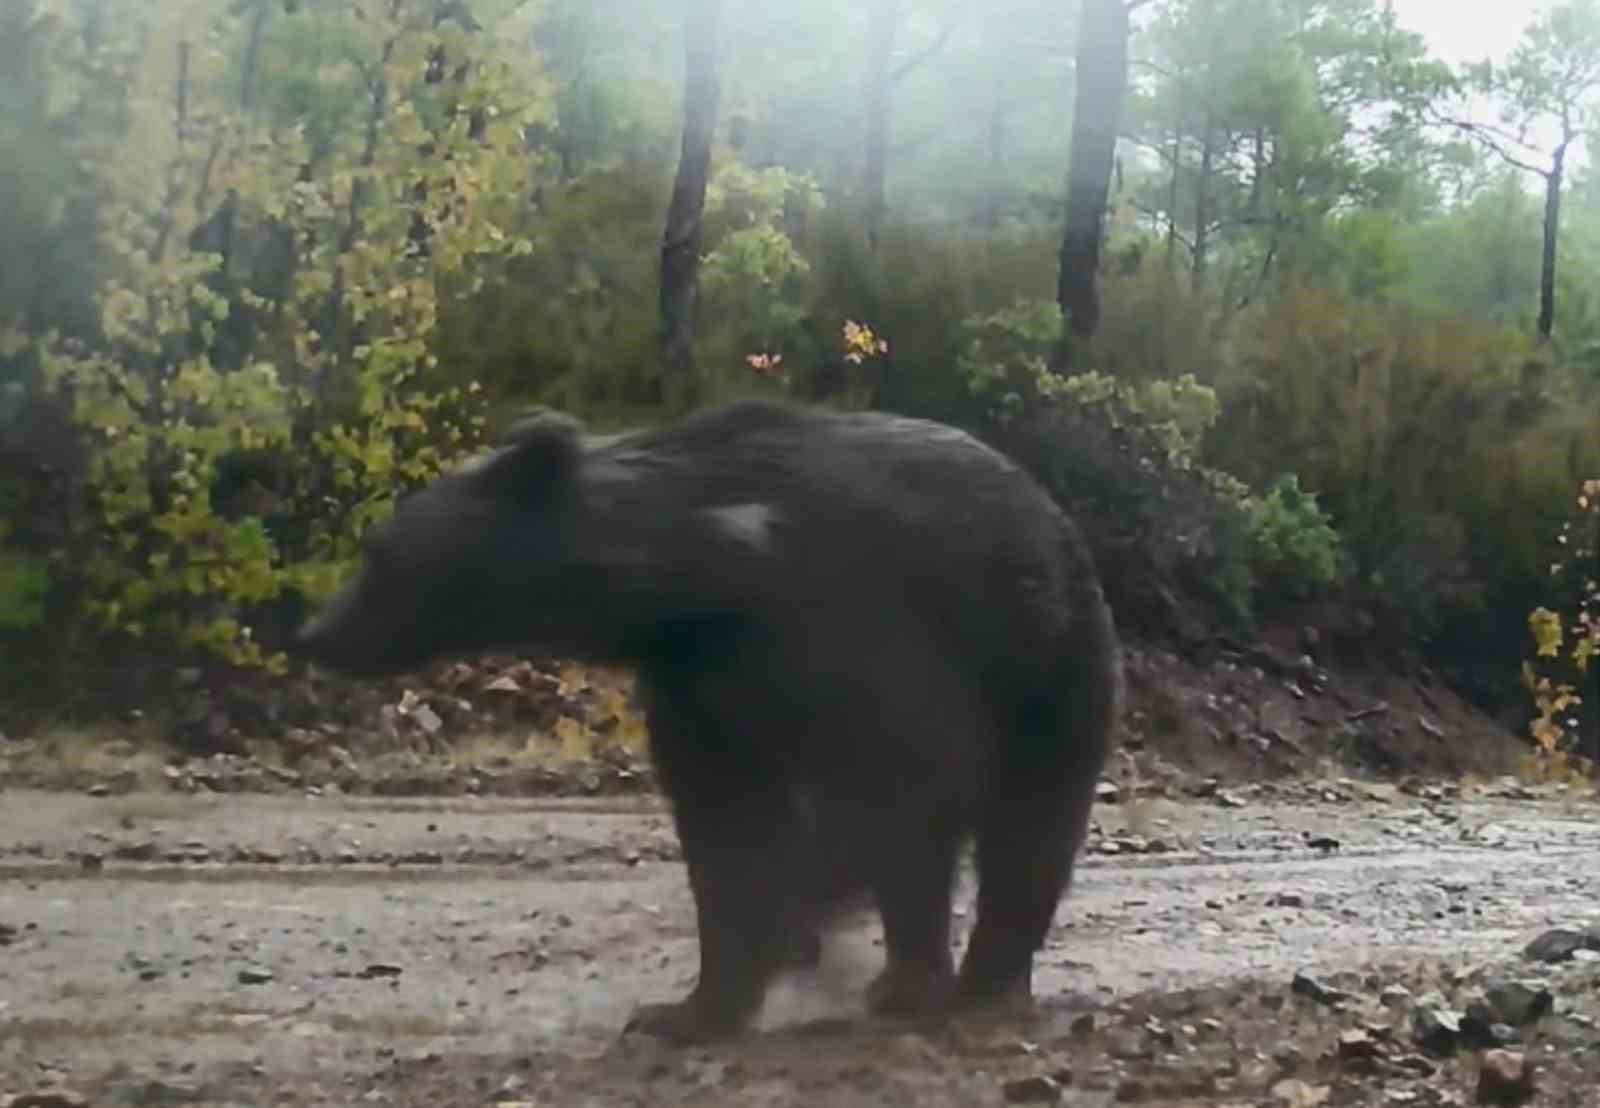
x=861 y=640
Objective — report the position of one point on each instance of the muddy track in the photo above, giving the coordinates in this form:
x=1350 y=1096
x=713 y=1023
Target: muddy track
x=335 y=951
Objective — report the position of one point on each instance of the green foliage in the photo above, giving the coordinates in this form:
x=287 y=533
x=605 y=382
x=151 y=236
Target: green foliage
x=752 y=279
x=24 y=582
x=1005 y=360
x=572 y=324
x=1296 y=546
x=1005 y=356
x=373 y=224
x=334 y=384
x=1124 y=457
x=1420 y=433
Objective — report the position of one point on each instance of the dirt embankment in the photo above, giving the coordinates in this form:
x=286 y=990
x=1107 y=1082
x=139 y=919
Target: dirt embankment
x=1222 y=711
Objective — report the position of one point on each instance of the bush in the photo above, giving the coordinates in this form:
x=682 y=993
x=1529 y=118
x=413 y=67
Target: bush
x=1296 y=548
x=244 y=433
x=1567 y=648
x=24 y=582
x=1171 y=537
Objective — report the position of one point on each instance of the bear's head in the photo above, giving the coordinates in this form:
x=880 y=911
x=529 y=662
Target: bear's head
x=465 y=563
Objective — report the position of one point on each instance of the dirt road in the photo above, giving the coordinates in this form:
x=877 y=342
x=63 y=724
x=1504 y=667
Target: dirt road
x=324 y=950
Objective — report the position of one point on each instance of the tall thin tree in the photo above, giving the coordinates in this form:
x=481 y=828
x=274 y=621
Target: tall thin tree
x=1101 y=81
x=1550 y=87
x=680 y=243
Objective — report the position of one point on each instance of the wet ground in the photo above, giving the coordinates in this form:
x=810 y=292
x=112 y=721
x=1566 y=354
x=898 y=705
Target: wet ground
x=163 y=948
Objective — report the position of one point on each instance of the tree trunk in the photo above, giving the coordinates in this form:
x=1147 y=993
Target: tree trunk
x=1552 y=228
x=228 y=224
x=1101 y=79
x=680 y=244
x=1172 y=199
x=1258 y=171
x=1202 y=202
x=884 y=21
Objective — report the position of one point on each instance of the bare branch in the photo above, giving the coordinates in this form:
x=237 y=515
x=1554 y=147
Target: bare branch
x=901 y=71
x=1160 y=148
x=1495 y=141
x=1261 y=276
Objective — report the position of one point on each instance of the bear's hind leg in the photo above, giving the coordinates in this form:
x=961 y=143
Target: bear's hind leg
x=912 y=877
x=1035 y=815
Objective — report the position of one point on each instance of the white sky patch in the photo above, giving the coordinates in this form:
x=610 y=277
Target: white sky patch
x=1468 y=30
x=1462 y=31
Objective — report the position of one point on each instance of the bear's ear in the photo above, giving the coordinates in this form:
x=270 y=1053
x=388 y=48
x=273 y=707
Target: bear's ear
x=537 y=449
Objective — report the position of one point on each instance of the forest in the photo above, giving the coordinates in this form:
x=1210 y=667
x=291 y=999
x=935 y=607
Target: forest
x=1301 y=321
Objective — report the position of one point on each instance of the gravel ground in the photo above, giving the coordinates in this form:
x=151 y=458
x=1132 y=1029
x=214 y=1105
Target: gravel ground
x=164 y=948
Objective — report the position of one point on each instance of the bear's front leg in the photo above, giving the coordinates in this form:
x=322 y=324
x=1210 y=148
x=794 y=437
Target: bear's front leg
x=741 y=948
x=745 y=845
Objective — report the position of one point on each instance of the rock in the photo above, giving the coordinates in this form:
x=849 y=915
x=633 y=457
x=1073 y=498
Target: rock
x=1357 y=1045
x=1395 y=996
x=1107 y=792
x=1083 y=1024
x=254 y=975
x=1307 y=986
x=1479 y=1027
x=422 y=858
x=1504 y=1078
x=1159 y=1032
x=1437 y=1029
x=47 y=1098
x=378 y=970
x=1417 y=1064
x=1293 y=1093
x=1519 y=1003
x=1039 y=1089
x=1559 y=944
x=98 y=790
x=156 y=1091
x=1286 y=900
x=1287 y=1057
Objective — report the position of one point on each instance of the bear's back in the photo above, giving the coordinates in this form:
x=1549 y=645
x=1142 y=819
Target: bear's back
x=847 y=512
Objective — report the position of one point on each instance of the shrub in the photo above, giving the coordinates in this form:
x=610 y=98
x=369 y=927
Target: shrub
x=1296 y=548
x=1171 y=537
x=220 y=490
x=1567 y=648
x=24 y=582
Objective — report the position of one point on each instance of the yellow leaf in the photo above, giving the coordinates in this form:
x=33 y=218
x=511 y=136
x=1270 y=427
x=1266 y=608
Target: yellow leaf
x=575 y=742
x=1546 y=628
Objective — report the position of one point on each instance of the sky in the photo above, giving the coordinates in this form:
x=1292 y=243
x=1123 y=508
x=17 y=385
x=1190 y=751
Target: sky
x=1459 y=31
x=1468 y=30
